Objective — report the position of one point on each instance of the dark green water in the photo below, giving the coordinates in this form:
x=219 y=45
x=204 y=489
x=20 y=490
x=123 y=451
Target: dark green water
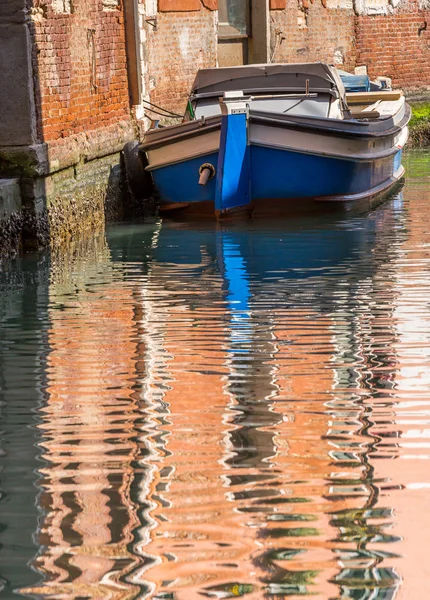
x=193 y=411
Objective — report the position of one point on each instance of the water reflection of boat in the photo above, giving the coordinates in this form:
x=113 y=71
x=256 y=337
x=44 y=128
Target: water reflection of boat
x=273 y=259
x=243 y=324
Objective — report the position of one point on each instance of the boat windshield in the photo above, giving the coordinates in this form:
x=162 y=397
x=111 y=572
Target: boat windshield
x=312 y=105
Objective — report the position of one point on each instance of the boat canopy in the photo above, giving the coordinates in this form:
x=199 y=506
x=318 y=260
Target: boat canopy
x=268 y=78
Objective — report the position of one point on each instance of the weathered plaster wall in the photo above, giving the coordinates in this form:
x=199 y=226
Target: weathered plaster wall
x=393 y=39
x=312 y=30
x=185 y=40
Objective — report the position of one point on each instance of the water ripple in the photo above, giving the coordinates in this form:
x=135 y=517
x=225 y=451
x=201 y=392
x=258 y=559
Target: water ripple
x=194 y=410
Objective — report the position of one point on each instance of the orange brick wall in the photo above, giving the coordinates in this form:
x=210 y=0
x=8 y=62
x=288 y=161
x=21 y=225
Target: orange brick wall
x=394 y=46
x=78 y=90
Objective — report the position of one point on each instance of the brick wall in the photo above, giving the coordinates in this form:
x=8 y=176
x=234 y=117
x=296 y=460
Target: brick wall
x=396 y=45
x=80 y=72
x=183 y=42
x=313 y=30
x=80 y=62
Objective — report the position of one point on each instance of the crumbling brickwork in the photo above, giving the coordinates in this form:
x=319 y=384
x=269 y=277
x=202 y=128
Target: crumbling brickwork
x=182 y=43
x=79 y=68
x=397 y=45
x=311 y=30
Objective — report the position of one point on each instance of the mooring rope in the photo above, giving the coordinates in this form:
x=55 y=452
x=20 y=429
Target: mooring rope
x=169 y=113
x=160 y=114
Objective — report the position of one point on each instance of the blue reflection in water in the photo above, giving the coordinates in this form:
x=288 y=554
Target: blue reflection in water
x=238 y=296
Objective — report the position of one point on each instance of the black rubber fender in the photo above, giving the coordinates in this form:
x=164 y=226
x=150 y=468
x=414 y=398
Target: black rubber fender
x=139 y=181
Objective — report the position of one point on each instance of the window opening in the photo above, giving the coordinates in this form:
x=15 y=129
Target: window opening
x=233 y=18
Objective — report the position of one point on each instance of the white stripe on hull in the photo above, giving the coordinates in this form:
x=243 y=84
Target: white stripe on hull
x=183 y=150
x=260 y=134
x=324 y=145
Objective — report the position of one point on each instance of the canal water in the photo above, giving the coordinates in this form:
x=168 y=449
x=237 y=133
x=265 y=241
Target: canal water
x=198 y=411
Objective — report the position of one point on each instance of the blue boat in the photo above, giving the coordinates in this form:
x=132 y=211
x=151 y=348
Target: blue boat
x=274 y=137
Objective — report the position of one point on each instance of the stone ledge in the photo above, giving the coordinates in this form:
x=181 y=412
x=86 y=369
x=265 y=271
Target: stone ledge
x=72 y=201
x=44 y=159
x=29 y=161
x=421 y=95
x=52 y=209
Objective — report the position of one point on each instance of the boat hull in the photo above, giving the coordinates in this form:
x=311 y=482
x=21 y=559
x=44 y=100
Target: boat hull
x=286 y=174
x=291 y=177
x=291 y=162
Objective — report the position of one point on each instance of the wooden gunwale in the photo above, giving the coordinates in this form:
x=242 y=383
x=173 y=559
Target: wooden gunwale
x=354 y=132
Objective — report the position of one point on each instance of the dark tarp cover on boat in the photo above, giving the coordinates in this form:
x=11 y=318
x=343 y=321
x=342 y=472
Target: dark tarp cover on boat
x=268 y=77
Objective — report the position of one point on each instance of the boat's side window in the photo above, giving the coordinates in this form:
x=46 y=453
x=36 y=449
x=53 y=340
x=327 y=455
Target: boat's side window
x=233 y=17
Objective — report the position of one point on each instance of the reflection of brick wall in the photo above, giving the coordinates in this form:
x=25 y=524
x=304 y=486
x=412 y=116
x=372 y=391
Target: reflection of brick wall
x=88 y=429
x=395 y=46
x=307 y=31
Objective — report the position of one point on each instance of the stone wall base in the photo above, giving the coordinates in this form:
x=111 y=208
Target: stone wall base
x=11 y=217
x=73 y=202
x=55 y=209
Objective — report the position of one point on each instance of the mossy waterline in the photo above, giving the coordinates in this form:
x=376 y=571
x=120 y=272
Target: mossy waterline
x=419 y=125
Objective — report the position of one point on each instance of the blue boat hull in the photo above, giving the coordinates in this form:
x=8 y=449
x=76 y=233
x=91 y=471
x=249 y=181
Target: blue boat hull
x=278 y=174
